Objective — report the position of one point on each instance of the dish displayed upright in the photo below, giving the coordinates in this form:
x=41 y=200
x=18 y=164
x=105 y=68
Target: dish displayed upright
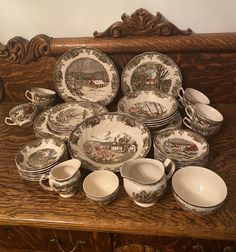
x=151 y=71
x=86 y=74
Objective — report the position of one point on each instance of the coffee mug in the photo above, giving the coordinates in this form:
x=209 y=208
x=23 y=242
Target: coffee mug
x=63 y=178
x=203 y=119
x=22 y=115
x=191 y=96
x=41 y=97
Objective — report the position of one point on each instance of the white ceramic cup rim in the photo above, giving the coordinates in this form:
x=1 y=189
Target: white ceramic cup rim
x=208 y=112
x=196 y=96
x=43 y=91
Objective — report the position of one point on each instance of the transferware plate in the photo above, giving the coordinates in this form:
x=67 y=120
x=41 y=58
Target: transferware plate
x=151 y=71
x=86 y=74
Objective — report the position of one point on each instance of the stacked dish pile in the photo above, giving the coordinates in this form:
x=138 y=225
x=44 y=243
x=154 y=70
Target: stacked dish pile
x=155 y=109
x=60 y=120
x=38 y=157
x=184 y=147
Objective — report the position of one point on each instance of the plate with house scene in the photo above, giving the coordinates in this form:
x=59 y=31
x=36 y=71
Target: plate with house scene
x=151 y=71
x=86 y=74
x=107 y=141
x=181 y=145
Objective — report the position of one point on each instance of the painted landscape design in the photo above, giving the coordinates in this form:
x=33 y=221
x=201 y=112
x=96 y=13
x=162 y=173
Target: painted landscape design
x=111 y=148
x=151 y=76
x=180 y=148
x=147 y=110
x=86 y=73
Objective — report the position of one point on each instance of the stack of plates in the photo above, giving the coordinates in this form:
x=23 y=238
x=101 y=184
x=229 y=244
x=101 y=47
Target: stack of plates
x=184 y=147
x=39 y=156
x=64 y=117
x=154 y=108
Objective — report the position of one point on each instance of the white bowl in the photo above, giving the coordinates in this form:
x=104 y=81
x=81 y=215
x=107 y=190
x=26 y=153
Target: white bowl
x=199 y=189
x=101 y=186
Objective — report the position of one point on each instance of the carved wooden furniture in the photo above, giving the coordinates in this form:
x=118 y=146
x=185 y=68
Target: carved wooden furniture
x=34 y=220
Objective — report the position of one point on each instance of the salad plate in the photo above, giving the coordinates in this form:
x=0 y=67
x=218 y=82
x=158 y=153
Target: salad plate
x=151 y=71
x=66 y=116
x=86 y=74
x=106 y=141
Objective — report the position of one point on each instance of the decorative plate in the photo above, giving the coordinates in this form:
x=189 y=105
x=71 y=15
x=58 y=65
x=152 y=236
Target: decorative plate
x=105 y=142
x=181 y=145
x=148 y=105
x=86 y=74
x=41 y=128
x=68 y=115
x=40 y=154
x=151 y=71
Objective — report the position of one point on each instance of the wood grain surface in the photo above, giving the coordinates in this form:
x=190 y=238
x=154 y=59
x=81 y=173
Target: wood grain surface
x=25 y=203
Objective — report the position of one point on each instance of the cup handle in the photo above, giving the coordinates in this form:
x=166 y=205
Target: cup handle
x=28 y=95
x=168 y=162
x=43 y=177
x=9 y=121
x=186 y=122
x=189 y=111
x=181 y=93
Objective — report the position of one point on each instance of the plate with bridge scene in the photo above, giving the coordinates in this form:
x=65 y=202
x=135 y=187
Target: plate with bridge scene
x=86 y=74
x=151 y=71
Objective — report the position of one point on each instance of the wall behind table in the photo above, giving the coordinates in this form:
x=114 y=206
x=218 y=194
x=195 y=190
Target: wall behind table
x=77 y=18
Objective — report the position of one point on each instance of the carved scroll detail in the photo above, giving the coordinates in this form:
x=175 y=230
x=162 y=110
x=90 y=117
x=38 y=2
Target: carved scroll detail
x=22 y=51
x=142 y=23
x=2 y=91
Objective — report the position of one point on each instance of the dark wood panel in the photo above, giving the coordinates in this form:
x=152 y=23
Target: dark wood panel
x=50 y=240
x=36 y=207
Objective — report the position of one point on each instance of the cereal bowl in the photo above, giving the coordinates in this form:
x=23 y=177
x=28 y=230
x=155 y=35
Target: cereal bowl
x=199 y=189
x=101 y=186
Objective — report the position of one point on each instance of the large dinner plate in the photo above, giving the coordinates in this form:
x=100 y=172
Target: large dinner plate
x=108 y=140
x=86 y=74
x=151 y=71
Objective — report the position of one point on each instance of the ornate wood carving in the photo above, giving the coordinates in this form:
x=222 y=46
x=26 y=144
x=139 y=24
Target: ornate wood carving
x=134 y=248
x=142 y=23
x=22 y=51
x=1 y=90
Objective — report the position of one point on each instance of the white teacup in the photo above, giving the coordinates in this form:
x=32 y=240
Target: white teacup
x=41 y=97
x=203 y=119
x=22 y=115
x=63 y=178
x=191 y=96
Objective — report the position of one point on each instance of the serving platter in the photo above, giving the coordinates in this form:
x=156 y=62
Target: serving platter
x=86 y=74
x=151 y=71
x=106 y=141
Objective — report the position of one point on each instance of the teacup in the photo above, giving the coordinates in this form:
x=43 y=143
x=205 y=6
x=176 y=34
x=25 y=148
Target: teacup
x=22 y=115
x=145 y=180
x=191 y=96
x=203 y=119
x=42 y=97
x=63 y=178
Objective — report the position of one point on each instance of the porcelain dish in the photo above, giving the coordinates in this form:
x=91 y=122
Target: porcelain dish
x=184 y=147
x=39 y=156
x=86 y=74
x=105 y=142
x=151 y=71
x=206 y=194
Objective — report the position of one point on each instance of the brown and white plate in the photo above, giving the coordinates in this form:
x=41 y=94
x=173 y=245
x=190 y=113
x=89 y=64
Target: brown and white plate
x=151 y=71
x=107 y=141
x=86 y=74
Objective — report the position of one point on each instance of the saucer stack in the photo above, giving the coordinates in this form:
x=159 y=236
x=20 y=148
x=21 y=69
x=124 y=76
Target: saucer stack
x=184 y=147
x=39 y=156
x=154 y=108
x=65 y=117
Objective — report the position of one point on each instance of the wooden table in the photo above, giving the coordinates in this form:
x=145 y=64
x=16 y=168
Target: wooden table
x=24 y=203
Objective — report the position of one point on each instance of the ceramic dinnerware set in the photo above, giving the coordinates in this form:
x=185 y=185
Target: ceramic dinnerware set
x=109 y=142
